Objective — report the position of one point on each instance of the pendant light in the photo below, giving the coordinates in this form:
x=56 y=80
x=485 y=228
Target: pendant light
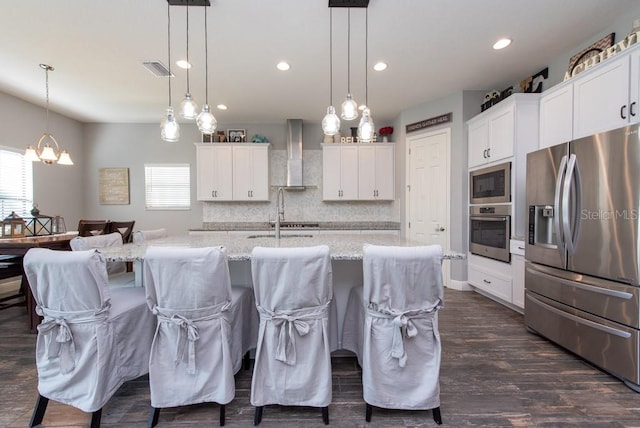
x=206 y=122
x=331 y=122
x=188 y=107
x=349 y=106
x=169 y=127
x=44 y=151
x=366 y=128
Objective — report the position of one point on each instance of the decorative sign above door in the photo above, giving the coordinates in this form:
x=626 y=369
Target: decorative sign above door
x=427 y=123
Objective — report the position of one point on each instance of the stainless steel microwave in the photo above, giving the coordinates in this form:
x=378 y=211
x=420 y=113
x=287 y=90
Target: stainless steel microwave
x=490 y=185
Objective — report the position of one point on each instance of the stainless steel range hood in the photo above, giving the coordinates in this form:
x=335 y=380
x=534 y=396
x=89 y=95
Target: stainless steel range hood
x=294 y=155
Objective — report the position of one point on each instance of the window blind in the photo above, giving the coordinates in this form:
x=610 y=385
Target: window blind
x=167 y=186
x=16 y=183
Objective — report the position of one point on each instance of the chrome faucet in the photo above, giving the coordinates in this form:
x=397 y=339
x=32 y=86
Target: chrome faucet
x=279 y=210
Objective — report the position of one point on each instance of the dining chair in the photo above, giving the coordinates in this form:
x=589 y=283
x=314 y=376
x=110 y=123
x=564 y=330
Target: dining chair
x=125 y=228
x=391 y=324
x=293 y=289
x=198 y=345
x=117 y=271
x=93 y=338
x=141 y=236
x=93 y=227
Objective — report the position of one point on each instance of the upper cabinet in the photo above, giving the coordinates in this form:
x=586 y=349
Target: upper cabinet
x=376 y=166
x=494 y=132
x=339 y=172
x=358 y=172
x=556 y=116
x=232 y=172
x=603 y=98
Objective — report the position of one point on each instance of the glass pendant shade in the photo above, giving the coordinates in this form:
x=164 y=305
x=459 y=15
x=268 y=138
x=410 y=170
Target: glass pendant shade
x=188 y=107
x=331 y=122
x=169 y=127
x=366 y=128
x=206 y=122
x=349 y=109
x=31 y=155
x=48 y=155
x=64 y=158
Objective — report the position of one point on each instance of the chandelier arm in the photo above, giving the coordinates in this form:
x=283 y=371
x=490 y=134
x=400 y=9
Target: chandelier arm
x=366 y=57
x=330 y=56
x=49 y=136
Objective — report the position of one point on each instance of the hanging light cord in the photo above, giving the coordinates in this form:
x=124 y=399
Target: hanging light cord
x=349 y=50
x=206 y=60
x=366 y=57
x=169 y=46
x=188 y=63
x=46 y=71
x=330 y=56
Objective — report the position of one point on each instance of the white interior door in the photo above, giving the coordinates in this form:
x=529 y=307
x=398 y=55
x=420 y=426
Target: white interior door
x=428 y=220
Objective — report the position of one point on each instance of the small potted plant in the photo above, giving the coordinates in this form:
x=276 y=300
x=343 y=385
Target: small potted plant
x=385 y=132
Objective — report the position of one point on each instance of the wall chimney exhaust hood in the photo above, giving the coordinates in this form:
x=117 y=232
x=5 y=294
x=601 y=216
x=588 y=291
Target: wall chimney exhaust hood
x=294 y=155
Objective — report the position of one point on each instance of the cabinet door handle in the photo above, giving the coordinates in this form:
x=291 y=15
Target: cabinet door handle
x=487 y=281
x=484 y=153
x=489 y=152
x=622 y=112
x=213 y=193
x=631 y=112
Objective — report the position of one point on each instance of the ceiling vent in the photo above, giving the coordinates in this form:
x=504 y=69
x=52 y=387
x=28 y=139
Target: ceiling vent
x=348 y=3
x=157 y=68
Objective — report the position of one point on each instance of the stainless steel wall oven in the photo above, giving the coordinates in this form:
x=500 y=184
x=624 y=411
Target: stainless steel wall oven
x=490 y=231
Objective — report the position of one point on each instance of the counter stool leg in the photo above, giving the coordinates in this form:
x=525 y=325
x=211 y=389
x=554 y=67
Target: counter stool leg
x=222 y=414
x=38 y=412
x=325 y=415
x=95 y=418
x=368 y=411
x=153 y=417
x=257 y=417
x=437 y=416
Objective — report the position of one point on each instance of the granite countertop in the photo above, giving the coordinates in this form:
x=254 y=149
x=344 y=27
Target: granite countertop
x=342 y=246
x=300 y=225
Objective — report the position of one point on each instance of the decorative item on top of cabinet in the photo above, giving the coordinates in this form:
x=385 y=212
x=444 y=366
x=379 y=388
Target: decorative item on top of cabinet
x=232 y=172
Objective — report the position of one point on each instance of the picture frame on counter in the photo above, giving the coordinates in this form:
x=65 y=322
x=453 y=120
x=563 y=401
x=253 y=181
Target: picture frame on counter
x=237 y=135
x=207 y=138
x=221 y=137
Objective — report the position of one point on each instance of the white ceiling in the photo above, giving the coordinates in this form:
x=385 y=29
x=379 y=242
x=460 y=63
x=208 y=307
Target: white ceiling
x=433 y=47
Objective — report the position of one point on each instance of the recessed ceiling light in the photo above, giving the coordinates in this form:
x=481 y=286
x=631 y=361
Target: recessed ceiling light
x=283 y=66
x=502 y=43
x=221 y=107
x=379 y=66
x=183 y=64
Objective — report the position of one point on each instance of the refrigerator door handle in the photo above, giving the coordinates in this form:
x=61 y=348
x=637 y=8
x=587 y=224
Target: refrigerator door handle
x=571 y=220
x=558 y=208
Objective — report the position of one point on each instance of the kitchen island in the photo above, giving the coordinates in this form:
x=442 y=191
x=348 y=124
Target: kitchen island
x=346 y=255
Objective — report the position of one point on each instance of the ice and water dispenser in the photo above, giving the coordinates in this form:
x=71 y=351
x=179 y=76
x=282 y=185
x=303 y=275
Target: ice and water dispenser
x=541 y=226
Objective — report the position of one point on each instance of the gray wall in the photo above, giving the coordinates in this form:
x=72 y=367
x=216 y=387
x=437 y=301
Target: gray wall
x=57 y=189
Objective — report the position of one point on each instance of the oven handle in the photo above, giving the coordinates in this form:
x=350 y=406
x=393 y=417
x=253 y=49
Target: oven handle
x=490 y=218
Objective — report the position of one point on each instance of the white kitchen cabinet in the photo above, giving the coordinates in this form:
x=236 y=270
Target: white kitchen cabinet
x=251 y=173
x=376 y=172
x=214 y=175
x=339 y=172
x=601 y=97
x=486 y=275
x=556 y=115
x=493 y=133
x=232 y=172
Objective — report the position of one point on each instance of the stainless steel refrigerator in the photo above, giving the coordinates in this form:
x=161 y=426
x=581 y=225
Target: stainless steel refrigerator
x=582 y=249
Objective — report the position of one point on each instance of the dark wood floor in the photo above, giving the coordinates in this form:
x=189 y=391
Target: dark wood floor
x=494 y=374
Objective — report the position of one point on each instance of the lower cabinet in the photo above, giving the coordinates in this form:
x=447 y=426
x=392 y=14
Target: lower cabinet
x=488 y=280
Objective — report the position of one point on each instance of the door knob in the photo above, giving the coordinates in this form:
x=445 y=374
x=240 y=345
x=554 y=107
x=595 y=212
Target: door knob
x=439 y=229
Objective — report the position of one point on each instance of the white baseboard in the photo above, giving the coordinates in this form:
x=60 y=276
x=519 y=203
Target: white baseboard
x=459 y=285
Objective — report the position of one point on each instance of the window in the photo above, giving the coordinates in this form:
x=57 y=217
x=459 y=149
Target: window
x=167 y=186
x=16 y=183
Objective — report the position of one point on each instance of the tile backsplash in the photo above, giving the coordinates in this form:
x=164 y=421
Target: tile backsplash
x=300 y=205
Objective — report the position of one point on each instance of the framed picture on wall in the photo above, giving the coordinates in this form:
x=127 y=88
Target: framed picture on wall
x=237 y=135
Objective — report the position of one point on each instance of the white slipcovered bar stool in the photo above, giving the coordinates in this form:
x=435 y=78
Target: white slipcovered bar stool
x=117 y=271
x=204 y=327
x=293 y=289
x=391 y=325
x=93 y=338
x=140 y=236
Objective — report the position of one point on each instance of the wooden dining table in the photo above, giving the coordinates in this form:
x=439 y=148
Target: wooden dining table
x=18 y=247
